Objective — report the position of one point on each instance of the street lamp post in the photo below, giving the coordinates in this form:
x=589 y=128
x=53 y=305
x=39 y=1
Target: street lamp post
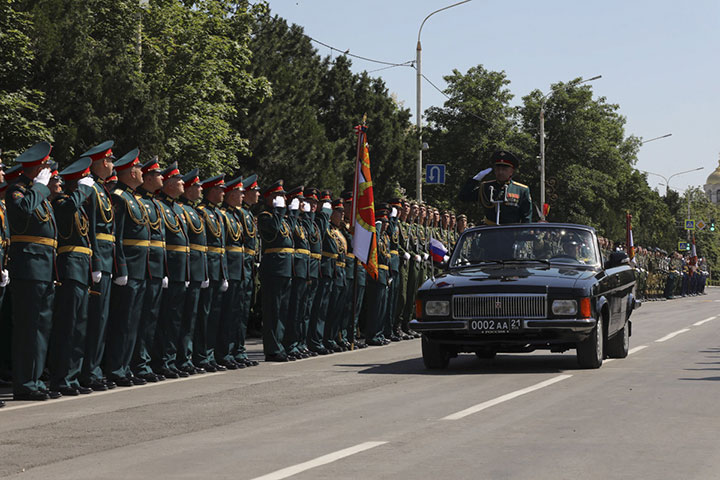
x=667 y=179
x=544 y=99
x=418 y=113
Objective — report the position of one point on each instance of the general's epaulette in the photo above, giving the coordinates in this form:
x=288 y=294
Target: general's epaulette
x=118 y=192
x=265 y=213
x=519 y=184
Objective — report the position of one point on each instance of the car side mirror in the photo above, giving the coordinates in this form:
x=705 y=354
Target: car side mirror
x=617 y=259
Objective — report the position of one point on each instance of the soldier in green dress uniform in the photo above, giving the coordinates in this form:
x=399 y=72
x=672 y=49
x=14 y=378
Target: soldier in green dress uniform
x=412 y=246
x=228 y=329
x=377 y=290
x=177 y=248
x=354 y=272
x=99 y=210
x=336 y=245
x=399 y=328
x=314 y=236
x=251 y=249
x=32 y=270
x=513 y=197
x=210 y=306
x=67 y=338
x=132 y=244
x=157 y=279
x=319 y=312
x=198 y=271
x=275 y=271
x=301 y=259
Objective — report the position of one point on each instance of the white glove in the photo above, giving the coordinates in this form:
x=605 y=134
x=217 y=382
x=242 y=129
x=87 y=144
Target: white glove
x=327 y=206
x=306 y=207
x=482 y=174
x=4 y=278
x=393 y=212
x=279 y=201
x=205 y=284
x=406 y=256
x=224 y=286
x=294 y=204
x=87 y=181
x=43 y=177
x=418 y=258
x=121 y=281
x=425 y=256
x=446 y=258
x=165 y=282
x=96 y=276
x=187 y=284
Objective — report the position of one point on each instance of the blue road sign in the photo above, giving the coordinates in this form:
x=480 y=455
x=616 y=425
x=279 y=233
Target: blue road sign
x=435 y=173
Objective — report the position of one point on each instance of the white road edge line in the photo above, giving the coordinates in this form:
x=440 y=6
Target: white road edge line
x=637 y=349
x=504 y=398
x=709 y=319
x=671 y=335
x=317 y=462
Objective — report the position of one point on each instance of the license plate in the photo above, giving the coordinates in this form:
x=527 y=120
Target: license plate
x=502 y=325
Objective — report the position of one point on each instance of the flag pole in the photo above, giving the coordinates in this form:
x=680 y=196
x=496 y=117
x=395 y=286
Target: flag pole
x=360 y=143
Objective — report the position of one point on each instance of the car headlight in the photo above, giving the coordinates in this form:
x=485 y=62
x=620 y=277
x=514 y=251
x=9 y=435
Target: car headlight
x=564 y=307
x=437 y=308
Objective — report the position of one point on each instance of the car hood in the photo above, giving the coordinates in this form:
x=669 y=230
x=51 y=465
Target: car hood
x=509 y=279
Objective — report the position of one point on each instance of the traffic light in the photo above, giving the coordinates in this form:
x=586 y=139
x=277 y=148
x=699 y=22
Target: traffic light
x=712 y=224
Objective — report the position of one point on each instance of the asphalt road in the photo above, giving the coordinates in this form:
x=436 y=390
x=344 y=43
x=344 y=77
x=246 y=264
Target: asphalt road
x=377 y=413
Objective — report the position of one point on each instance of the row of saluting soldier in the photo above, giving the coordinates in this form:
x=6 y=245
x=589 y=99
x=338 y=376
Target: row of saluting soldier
x=153 y=278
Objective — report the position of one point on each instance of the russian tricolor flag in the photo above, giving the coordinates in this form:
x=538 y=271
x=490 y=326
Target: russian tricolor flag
x=437 y=250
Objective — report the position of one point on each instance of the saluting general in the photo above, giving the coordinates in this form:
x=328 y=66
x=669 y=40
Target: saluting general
x=512 y=197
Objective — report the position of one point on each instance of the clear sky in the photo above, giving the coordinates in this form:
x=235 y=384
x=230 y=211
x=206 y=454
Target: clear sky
x=659 y=59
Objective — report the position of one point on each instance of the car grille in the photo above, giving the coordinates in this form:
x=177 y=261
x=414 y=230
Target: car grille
x=499 y=306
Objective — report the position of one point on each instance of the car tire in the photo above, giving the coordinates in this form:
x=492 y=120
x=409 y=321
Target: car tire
x=590 y=352
x=434 y=355
x=619 y=345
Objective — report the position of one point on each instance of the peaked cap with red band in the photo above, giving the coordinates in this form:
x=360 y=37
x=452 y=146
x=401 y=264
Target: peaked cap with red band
x=276 y=187
x=35 y=155
x=77 y=170
x=99 y=152
x=191 y=178
x=325 y=196
x=502 y=157
x=216 y=181
x=311 y=193
x=296 y=192
x=13 y=172
x=235 y=183
x=171 y=171
x=347 y=196
x=250 y=183
x=128 y=160
x=151 y=165
x=112 y=177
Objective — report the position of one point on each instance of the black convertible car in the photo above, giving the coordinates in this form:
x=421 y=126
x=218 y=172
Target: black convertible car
x=522 y=287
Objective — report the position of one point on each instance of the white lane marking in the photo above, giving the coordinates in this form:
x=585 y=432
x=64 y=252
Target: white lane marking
x=504 y=398
x=317 y=462
x=671 y=335
x=709 y=319
x=637 y=349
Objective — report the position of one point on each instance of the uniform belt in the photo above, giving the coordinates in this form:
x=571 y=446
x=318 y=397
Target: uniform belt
x=350 y=255
x=73 y=248
x=105 y=237
x=329 y=255
x=177 y=248
x=249 y=251
x=383 y=267
x=219 y=250
x=50 y=242
x=279 y=250
x=316 y=256
x=235 y=249
x=302 y=251
x=199 y=248
x=394 y=252
x=136 y=243
x=340 y=264
x=157 y=243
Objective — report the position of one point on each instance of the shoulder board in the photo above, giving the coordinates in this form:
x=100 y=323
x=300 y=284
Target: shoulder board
x=200 y=207
x=265 y=213
x=118 y=192
x=519 y=184
x=487 y=181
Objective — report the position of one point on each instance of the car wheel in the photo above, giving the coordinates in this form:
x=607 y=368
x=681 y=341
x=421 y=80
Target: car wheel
x=485 y=354
x=619 y=345
x=434 y=355
x=590 y=352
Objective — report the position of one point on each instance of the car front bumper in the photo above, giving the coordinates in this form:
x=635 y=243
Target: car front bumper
x=580 y=325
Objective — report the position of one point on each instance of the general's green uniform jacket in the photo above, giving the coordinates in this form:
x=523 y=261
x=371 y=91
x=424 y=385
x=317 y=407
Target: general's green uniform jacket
x=251 y=242
x=234 y=249
x=33 y=231
x=315 y=242
x=102 y=227
x=177 y=245
x=301 y=262
x=277 y=243
x=156 y=254
x=215 y=234
x=132 y=233
x=74 y=253
x=198 y=242
x=393 y=231
x=516 y=209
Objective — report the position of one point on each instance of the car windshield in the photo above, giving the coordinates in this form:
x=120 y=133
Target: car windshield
x=546 y=244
